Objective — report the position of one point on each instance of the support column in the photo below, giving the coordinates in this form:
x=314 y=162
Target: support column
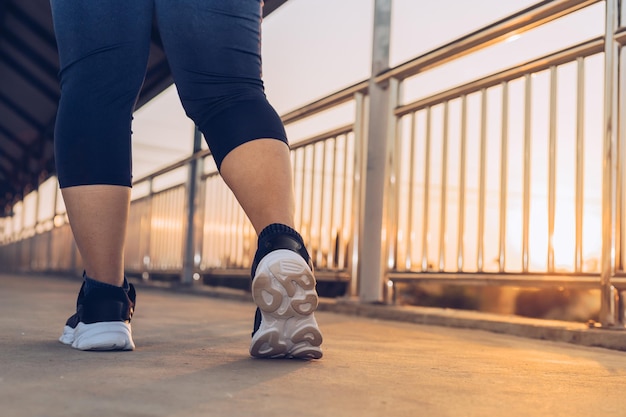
x=608 y=302
x=192 y=188
x=371 y=266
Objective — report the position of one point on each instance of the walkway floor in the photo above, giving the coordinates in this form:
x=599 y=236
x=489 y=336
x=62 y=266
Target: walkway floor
x=192 y=360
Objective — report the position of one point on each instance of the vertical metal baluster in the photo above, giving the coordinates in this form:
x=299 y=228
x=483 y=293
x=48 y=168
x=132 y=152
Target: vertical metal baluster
x=463 y=157
x=312 y=203
x=411 y=180
x=165 y=231
x=526 y=195
x=51 y=234
x=299 y=186
x=306 y=223
x=393 y=196
x=504 y=155
x=239 y=236
x=233 y=214
x=346 y=243
x=444 y=190
x=158 y=241
x=36 y=238
x=214 y=234
x=153 y=247
x=170 y=251
x=426 y=192
x=552 y=166
x=230 y=221
x=206 y=219
x=304 y=228
x=332 y=239
x=219 y=224
x=393 y=228
x=480 y=251
x=320 y=151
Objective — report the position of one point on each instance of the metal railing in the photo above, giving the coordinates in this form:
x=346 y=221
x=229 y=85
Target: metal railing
x=473 y=185
x=427 y=197
x=323 y=170
x=479 y=97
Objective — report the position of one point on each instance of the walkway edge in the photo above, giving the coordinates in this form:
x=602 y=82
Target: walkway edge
x=551 y=330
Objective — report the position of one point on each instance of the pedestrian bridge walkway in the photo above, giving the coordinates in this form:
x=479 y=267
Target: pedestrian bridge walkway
x=192 y=360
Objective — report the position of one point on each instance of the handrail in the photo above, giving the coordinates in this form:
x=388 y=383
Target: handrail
x=585 y=49
x=339 y=97
x=520 y=22
x=178 y=164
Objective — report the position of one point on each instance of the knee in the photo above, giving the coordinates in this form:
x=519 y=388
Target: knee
x=228 y=123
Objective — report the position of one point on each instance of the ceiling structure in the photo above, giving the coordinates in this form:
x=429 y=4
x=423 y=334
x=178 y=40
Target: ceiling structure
x=29 y=93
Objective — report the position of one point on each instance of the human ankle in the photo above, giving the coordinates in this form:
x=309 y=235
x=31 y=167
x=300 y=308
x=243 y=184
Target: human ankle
x=91 y=284
x=279 y=236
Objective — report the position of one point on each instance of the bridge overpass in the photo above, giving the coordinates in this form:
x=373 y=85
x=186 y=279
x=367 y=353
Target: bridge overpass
x=512 y=178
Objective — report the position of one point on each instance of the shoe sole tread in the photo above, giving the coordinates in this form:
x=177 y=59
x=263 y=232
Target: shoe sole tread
x=284 y=291
x=102 y=336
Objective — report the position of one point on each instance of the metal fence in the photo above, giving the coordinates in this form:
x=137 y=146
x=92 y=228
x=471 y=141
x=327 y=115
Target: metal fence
x=512 y=178
x=458 y=213
x=323 y=171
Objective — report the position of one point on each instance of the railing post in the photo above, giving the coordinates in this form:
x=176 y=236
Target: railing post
x=372 y=250
x=192 y=185
x=621 y=180
x=34 y=253
x=49 y=250
x=146 y=234
x=608 y=304
x=357 y=192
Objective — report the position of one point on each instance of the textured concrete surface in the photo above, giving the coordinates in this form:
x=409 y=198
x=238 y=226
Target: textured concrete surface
x=191 y=360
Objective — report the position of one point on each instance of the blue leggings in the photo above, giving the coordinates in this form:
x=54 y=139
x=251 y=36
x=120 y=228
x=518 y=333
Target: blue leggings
x=213 y=49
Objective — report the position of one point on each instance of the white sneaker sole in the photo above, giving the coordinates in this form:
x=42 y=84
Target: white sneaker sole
x=284 y=291
x=108 y=335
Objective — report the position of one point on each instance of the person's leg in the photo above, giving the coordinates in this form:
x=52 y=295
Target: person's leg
x=259 y=173
x=103 y=50
x=98 y=216
x=213 y=48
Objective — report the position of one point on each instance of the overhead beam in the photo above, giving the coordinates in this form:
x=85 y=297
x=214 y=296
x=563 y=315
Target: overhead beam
x=36 y=58
x=3 y=13
x=23 y=72
x=271 y=5
x=12 y=138
x=34 y=26
x=12 y=160
x=21 y=112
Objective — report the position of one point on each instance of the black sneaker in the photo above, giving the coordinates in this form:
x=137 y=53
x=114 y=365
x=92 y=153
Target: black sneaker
x=102 y=320
x=283 y=288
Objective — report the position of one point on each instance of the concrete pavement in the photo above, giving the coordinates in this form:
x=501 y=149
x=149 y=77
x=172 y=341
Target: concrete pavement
x=192 y=360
